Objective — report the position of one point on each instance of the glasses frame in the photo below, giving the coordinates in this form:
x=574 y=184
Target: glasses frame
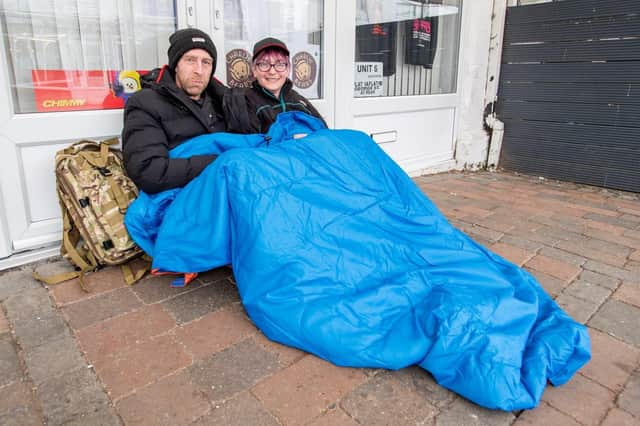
x=264 y=66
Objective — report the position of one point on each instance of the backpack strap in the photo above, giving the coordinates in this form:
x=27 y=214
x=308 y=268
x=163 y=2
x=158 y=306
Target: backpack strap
x=131 y=277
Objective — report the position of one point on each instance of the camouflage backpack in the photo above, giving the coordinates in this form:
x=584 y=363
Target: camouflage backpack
x=94 y=193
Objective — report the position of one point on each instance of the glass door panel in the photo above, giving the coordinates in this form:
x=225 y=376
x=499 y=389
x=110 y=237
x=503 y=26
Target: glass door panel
x=406 y=47
x=298 y=23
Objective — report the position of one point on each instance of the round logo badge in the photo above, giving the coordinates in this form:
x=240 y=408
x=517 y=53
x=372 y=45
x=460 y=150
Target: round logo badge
x=238 y=68
x=304 y=70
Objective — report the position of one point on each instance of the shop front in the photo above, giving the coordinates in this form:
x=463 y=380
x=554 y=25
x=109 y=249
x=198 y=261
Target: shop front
x=387 y=68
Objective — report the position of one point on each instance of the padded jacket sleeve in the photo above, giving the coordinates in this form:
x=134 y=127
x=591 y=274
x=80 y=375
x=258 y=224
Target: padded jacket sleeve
x=146 y=151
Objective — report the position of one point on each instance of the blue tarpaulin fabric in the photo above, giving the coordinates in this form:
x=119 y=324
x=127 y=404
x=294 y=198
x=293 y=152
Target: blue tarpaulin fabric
x=337 y=252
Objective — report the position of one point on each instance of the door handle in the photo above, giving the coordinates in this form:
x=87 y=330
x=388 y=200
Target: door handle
x=217 y=15
x=191 y=13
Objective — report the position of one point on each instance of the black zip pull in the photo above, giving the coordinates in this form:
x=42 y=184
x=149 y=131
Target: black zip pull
x=267 y=138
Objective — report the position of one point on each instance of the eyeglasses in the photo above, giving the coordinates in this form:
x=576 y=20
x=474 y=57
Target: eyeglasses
x=266 y=66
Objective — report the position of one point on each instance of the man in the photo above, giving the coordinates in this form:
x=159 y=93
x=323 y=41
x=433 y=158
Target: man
x=177 y=102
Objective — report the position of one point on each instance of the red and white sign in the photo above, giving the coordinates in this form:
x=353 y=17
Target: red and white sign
x=78 y=90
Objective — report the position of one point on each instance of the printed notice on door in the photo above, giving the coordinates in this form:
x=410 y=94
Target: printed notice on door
x=368 y=79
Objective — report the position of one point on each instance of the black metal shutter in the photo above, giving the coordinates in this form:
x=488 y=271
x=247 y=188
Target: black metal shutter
x=569 y=92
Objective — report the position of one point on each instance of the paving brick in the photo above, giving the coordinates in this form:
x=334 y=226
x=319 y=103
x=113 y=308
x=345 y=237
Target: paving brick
x=584 y=400
x=28 y=304
x=214 y=332
x=618 y=319
x=602 y=280
x=307 y=389
x=104 y=306
x=629 y=294
x=53 y=266
x=422 y=382
x=635 y=256
x=544 y=415
x=612 y=271
x=104 y=339
x=569 y=222
x=17 y=406
x=555 y=268
x=156 y=289
x=53 y=358
x=233 y=370
x=71 y=396
x=538 y=233
x=578 y=309
x=634 y=267
x=615 y=221
x=15 y=282
x=634 y=234
x=482 y=234
x=590 y=292
x=628 y=399
x=172 y=400
x=10 y=370
x=195 y=304
x=384 y=400
x=243 y=409
x=617 y=417
x=334 y=416
x=497 y=222
x=631 y=217
x=612 y=361
x=600 y=250
x=562 y=255
x=4 y=324
x=105 y=280
x=463 y=412
x=141 y=364
x=37 y=330
x=105 y=416
x=523 y=243
x=551 y=285
x=286 y=355
x=623 y=239
x=513 y=254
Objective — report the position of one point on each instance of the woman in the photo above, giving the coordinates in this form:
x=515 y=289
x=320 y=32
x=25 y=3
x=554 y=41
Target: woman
x=254 y=109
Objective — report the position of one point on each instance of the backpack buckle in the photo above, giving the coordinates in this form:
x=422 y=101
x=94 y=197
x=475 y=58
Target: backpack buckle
x=104 y=171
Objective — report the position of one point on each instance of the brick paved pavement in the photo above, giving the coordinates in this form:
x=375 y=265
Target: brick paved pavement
x=150 y=354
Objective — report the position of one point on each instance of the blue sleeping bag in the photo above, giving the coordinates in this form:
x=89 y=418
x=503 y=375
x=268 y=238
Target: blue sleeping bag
x=337 y=252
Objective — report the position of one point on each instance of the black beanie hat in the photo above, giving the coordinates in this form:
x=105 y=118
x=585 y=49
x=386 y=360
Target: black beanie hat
x=186 y=39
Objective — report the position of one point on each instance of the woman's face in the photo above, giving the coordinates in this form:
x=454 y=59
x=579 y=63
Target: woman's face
x=271 y=69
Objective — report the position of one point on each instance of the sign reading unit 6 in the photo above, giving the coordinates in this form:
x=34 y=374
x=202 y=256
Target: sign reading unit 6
x=368 y=79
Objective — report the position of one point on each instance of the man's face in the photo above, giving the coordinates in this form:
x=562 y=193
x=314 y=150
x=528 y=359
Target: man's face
x=193 y=72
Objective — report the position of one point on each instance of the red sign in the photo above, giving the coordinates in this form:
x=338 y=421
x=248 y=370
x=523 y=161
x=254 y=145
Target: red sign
x=76 y=90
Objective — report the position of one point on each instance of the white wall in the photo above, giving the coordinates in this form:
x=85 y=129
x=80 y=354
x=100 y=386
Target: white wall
x=471 y=139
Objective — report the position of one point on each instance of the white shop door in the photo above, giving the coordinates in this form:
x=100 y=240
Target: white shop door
x=61 y=84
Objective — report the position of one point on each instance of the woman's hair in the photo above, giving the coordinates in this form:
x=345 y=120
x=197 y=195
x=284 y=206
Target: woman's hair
x=272 y=53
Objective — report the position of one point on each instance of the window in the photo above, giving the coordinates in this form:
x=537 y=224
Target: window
x=406 y=47
x=82 y=55
x=298 y=23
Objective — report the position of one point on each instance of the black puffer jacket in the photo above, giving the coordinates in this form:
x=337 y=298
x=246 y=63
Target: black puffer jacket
x=160 y=117
x=254 y=110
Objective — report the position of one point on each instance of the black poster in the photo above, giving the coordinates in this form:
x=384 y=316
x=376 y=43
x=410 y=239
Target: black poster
x=420 y=46
x=377 y=43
